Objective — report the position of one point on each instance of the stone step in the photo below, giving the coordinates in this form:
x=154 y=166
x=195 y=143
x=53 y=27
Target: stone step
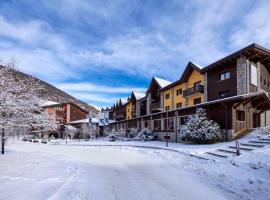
x=242 y=148
x=259 y=142
x=252 y=145
x=217 y=155
x=200 y=157
x=265 y=139
x=227 y=151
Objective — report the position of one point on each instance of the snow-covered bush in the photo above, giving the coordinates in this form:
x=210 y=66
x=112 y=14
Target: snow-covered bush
x=264 y=130
x=133 y=132
x=112 y=136
x=70 y=132
x=199 y=129
x=145 y=135
x=121 y=133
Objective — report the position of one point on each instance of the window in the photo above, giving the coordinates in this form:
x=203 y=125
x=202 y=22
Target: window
x=171 y=123
x=179 y=105
x=183 y=120
x=178 y=92
x=224 y=94
x=167 y=96
x=167 y=108
x=253 y=75
x=197 y=101
x=240 y=115
x=157 y=125
x=224 y=75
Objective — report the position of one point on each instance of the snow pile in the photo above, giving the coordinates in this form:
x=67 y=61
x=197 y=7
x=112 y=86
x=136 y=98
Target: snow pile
x=200 y=130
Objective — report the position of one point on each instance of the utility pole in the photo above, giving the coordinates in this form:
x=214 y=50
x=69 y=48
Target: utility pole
x=3 y=141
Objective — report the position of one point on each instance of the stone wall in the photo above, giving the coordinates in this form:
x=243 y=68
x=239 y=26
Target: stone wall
x=241 y=76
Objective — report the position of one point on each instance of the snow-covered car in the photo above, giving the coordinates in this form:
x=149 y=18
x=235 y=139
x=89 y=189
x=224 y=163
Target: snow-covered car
x=25 y=139
x=35 y=140
x=43 y=141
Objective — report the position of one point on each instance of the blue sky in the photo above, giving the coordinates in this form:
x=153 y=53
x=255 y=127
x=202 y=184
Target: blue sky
x=99 y=50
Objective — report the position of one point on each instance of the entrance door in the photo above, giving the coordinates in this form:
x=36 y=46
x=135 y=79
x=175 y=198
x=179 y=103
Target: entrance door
x=256 y=120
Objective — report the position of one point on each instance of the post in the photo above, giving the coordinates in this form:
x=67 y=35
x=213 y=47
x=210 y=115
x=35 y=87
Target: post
x=3 y=141
x=167 y=144
x=237 y=148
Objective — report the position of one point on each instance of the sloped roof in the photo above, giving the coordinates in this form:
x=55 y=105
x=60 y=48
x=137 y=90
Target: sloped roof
x=162 y=82
x=187 y=72
x=254 y=52
x=139 y=95
x=49 y=103
x=94 y=120
x=159 y=82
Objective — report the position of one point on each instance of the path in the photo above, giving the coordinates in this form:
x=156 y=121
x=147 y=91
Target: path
x=36 y=171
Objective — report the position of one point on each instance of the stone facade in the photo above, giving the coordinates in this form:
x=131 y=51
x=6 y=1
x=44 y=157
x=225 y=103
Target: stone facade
x=241 y=76
x=138 y=109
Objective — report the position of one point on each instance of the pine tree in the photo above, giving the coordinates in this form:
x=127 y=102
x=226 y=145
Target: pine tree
x=200 y=130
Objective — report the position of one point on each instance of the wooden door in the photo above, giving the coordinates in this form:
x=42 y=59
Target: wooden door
x=256 y=120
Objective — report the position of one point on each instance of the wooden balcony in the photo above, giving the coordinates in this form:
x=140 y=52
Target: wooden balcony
x=193 y=90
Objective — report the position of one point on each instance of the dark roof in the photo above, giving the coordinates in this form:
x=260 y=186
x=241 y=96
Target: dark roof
x=187 y=72
x=254 y=52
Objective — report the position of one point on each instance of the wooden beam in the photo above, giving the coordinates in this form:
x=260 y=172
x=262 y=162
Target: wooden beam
x=238 y=104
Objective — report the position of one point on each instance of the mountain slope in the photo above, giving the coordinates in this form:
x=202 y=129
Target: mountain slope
x=52 y=93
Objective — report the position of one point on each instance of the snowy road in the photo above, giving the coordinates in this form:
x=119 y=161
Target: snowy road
x=35 y=171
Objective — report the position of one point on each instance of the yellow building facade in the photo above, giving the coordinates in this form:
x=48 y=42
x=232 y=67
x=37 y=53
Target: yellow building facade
x=129 y=108
x=186 y=91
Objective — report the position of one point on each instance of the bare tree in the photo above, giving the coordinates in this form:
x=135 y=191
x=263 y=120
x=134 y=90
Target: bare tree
x=20 y=106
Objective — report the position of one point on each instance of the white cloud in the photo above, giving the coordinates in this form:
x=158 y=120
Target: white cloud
x=90 y=87
x=204 y=38
x=99 y=99
x=255 y=26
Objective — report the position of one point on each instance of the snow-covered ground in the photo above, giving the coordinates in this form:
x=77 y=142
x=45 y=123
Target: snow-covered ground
x=81 y=171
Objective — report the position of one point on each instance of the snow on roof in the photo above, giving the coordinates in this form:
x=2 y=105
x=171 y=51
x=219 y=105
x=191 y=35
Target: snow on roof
x=123 y=101
x=162 y=82
x=49 y=103
x=79 y=121
x=199 y=66
x=139 y=95
x=94 y=120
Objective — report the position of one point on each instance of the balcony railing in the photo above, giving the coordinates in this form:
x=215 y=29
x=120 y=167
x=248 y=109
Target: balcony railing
x=193 y=90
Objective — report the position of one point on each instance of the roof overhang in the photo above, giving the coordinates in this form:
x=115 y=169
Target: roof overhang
x=253 y=52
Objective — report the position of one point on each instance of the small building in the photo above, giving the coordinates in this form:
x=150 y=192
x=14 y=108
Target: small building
x=64 y=113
